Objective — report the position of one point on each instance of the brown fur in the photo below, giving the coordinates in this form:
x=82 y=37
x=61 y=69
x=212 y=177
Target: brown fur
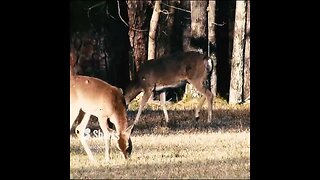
x=169 y=71
x=96 y=97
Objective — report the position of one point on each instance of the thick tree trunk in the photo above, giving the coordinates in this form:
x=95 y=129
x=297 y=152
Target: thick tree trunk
x=169 y=39
x=236 y=82
x=114 y=46
x=212 y=41
x=153 y=30
x=198 y=39
x=230 y=24
x=169 y=27
x=199 y=25
x=186 y=26
x=246 y=77
x=198 y=18
x=138 y=33
x=164 y=33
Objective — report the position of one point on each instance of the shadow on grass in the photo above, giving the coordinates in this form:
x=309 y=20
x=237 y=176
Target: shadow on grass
x=153 y=121
x=226 y=168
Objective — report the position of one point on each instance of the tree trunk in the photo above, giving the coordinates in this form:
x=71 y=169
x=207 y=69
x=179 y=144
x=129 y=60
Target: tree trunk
x=236 y=82
x=115 y=45
x=168 y=40
x=198 y=18
x=230 y=24
x=186 y=26
x=246 y=77
x=165 y=28
x=212 y=41
x=198 y=32
x=199 y=25
x=138 y=33
x=153 y=30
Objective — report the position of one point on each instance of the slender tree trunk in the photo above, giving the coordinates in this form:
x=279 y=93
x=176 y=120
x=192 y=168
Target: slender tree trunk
x=138 y=33
x=246 y=77
x=212 y=41
x=153 y=30
x=236 y=82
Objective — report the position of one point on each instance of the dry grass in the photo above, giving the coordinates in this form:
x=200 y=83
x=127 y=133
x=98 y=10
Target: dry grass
x=186 y=148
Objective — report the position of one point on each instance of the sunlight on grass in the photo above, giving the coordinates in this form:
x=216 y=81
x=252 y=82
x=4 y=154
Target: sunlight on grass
x=185 y=149
x=198 y=155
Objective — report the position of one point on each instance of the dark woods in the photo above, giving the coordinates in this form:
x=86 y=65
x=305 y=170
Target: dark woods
x=108 y=49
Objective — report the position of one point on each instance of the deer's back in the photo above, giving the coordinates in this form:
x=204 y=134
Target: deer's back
x=95 y=96
x=172 y=69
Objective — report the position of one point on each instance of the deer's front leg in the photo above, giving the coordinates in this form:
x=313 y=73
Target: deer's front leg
x=107 y=139
x=144 y=100
x=205 y=91
x=106 y=135
x=200 y=103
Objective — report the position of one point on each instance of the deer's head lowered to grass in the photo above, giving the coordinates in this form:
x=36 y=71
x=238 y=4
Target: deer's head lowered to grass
x=172 y=71
x=96 y=97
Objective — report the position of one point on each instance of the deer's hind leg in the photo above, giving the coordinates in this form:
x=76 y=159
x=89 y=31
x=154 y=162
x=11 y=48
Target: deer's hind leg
x=74 y=112
x=205 y=91
x=80 y=133
x=73 y=116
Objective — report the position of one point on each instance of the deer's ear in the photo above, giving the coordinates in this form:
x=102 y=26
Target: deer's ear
x=120 y=89
x=129 y=130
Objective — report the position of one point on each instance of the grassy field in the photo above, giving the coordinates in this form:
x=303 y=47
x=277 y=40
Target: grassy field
x=186 y=148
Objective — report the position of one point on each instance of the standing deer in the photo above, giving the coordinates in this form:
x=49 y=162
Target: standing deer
x=170 y=72
x=96 y=97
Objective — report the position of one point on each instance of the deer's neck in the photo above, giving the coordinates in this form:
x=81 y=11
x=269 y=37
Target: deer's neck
x=132 y=91
x=121 y=126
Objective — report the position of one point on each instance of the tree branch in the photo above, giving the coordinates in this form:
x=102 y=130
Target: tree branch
x=176 y=8
x=223 y=23
x=140 y=30
x=217 y=24
x=96 y=5
x=164 y=11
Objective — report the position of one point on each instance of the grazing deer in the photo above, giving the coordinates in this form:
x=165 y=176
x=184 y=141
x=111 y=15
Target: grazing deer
x=96 y=97
x=170 y=72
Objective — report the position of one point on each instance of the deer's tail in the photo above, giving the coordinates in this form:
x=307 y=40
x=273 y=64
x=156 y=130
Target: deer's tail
x=209 y=63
